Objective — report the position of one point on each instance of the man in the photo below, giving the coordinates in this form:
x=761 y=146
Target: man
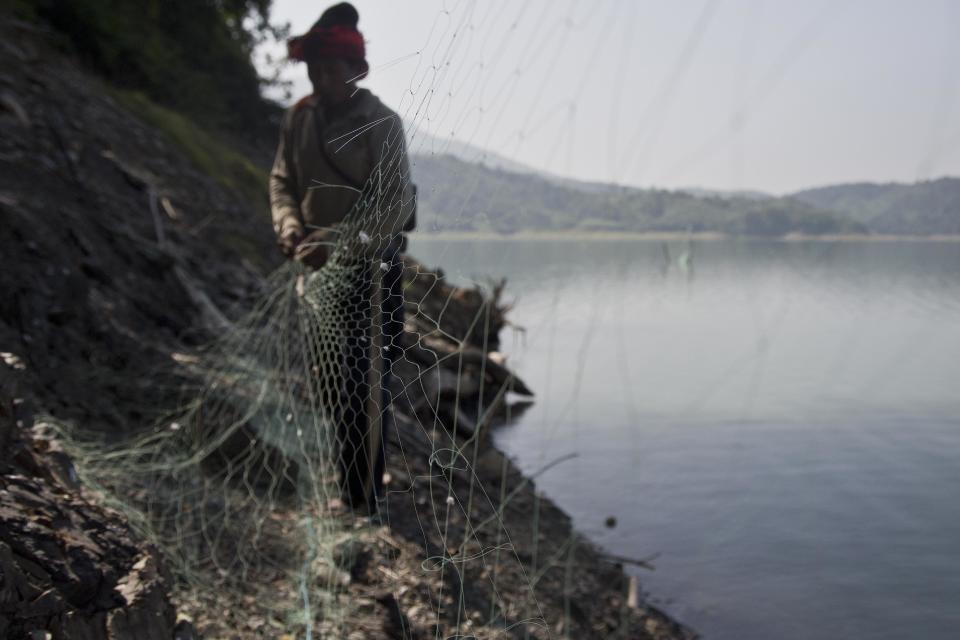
x=340 y=191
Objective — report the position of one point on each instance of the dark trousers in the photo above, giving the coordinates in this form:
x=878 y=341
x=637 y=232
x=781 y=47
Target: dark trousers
x=360 y=485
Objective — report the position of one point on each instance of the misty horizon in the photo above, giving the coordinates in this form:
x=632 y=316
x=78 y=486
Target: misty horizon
x=736 y=96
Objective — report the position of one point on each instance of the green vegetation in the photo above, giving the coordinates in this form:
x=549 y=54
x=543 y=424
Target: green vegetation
x=191 y=56
x=212 y=156
x=184 y=67
x=929 y=207
x=462 y=196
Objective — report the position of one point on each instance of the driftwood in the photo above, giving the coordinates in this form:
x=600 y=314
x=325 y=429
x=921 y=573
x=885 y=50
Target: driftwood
x=470 y=316
x=449 y=373
x=471 y=358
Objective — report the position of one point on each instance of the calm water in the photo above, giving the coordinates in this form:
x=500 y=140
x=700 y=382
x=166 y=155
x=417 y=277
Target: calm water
x=779 y=422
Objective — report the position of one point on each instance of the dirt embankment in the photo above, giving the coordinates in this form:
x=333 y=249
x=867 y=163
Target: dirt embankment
x=119 y=251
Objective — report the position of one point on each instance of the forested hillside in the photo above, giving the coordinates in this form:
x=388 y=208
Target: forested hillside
x=455 y=195
x=458 y=194
x=930 y=207
x=191 y=57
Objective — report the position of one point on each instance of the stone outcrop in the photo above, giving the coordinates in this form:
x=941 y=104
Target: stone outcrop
x=69 y=567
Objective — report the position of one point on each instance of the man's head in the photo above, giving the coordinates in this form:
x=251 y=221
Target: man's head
x=334 y=52
x=333 y=79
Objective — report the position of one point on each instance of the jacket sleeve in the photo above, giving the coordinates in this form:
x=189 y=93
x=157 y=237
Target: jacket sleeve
x=389 y=197
x=284 y=191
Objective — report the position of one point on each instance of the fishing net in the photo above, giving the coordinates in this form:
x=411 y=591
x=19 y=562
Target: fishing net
x=266 y=491
x=240 y=488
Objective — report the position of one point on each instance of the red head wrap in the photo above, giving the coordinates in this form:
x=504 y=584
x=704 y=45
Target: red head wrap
x=337 y=41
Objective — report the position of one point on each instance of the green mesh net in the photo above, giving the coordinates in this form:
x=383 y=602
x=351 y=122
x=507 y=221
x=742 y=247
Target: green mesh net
x=267 y=492
x=265 y=489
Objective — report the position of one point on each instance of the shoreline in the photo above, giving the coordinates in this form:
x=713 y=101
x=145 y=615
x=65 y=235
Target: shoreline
x=664 y=236
x=467 y=543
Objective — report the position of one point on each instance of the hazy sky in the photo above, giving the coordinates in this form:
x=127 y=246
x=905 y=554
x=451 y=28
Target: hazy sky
x=773 y=95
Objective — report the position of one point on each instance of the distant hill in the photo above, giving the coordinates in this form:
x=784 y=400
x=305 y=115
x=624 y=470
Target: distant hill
x=930 y=207
x=423 y=143
x=744 y=193
x=456 y=195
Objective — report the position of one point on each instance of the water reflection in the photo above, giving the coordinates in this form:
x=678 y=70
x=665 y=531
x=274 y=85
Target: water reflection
x=779 y=421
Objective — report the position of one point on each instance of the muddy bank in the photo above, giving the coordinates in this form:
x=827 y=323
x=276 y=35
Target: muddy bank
x=120 y=254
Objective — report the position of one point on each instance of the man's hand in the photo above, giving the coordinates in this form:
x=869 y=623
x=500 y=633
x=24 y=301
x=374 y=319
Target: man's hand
x=290 y=238
x=315 y=248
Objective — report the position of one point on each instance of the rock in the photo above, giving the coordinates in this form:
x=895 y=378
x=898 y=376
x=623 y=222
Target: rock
x=147 y=613
x=11 y=104
x=351 y=555
x=68 y=567
x=184 y=630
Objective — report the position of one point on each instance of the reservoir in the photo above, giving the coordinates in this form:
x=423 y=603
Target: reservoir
x=778 y=423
